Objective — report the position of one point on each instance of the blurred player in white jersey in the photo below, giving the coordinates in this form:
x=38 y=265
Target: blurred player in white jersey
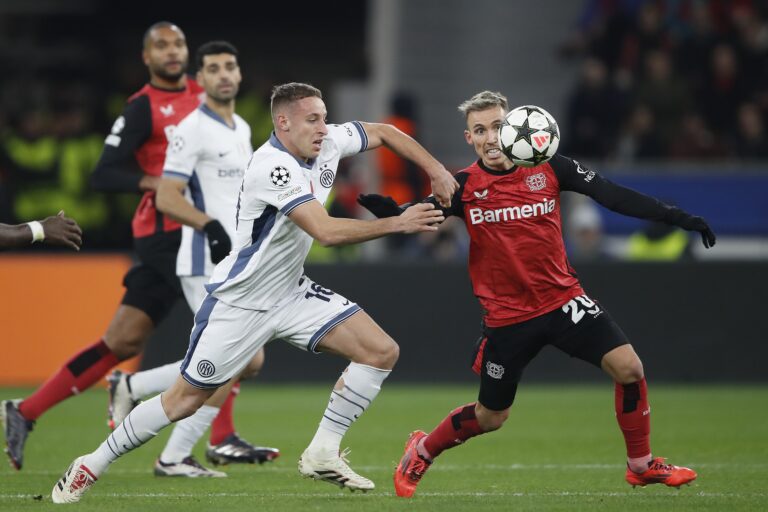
x=259 y=292
x=204 y=167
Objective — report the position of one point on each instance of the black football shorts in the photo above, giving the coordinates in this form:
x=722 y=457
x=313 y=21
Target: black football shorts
x=581 y=328
x=152 y=285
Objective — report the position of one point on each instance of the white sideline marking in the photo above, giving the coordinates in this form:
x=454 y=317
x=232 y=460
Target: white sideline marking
x=454 y=467
x=163 y=495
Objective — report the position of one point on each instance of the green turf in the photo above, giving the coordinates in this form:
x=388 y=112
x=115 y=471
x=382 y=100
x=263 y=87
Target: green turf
x=560 y=450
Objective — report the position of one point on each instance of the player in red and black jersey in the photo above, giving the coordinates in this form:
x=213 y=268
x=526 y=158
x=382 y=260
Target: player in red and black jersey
x=531 y=296
x=132 y=161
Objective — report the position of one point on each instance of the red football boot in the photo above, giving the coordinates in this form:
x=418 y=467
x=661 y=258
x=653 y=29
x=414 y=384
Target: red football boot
x=659 y=472
x=412 y=466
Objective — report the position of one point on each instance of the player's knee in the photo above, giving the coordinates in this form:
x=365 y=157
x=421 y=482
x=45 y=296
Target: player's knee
x=125 y=345
x=126 y=341
x=385 y=354
x=179 y=405
x=491 y=420
x=630 y=371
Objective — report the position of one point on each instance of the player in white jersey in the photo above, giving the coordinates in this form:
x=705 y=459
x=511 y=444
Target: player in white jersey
x=259 y=293
x=204 y=167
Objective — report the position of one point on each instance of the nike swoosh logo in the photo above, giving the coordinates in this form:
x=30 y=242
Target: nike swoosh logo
x=345 y=302
x=221 y=154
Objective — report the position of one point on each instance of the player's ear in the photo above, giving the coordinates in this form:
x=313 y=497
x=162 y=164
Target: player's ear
x=281 y=122
x=199 y=76
x=145 y=56
x=468 y=137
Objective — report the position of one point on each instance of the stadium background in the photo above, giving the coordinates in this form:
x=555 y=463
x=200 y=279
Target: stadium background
x=670 y=98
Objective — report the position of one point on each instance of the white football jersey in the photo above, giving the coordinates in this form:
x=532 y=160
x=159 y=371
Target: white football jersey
x=269 y=250
x=211 y=157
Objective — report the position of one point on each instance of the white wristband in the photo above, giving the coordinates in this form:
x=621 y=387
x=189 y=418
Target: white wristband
x=38 y=234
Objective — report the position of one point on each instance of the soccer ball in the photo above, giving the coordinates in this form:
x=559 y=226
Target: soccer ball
x=529 y=136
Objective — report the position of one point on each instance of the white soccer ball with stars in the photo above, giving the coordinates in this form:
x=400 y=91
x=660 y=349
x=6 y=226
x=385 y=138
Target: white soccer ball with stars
x=529 y=136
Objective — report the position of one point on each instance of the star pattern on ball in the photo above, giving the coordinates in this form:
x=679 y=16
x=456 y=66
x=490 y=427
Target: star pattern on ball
x=531 y=110
x=524 y=132
x=538 y=156
x=552 y=129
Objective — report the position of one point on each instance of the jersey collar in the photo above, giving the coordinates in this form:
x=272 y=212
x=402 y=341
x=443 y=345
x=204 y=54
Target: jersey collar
x=166 y=89
x=487 y=169
x=279 y=145
x=205 y=109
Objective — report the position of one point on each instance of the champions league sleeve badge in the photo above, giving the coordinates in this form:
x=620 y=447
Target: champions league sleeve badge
x=280 y=176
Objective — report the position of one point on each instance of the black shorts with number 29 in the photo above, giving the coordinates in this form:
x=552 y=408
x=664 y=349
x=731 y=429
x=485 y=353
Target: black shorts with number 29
x=581 y=328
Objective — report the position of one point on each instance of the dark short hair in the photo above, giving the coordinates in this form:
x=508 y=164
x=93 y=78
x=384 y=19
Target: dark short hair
x=213 y=48
x=155 y=26
x=294 y=91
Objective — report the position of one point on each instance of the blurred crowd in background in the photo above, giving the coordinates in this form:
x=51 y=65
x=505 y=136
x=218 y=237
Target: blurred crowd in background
x=677 y=79
x=672 y=80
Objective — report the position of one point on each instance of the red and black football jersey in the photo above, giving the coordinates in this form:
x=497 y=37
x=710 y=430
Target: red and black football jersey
x=517 y=259
x=136 y=146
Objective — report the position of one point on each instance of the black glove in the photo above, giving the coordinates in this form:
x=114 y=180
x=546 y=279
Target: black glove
x=218 y=240
x=693 y=223
x=380 y=206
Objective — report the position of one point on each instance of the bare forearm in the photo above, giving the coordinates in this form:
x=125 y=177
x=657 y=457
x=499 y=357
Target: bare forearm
x=15 y=236
x=174 y=205
x=148 y=182
x=408 y=148
x=352 y=231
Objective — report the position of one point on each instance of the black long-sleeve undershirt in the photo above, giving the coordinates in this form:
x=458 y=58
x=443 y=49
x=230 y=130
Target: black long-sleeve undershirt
x=572 y=176
x=577 y=178
x=117 y=169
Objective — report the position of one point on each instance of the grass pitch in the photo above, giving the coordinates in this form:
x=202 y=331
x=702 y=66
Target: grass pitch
x=560 y=450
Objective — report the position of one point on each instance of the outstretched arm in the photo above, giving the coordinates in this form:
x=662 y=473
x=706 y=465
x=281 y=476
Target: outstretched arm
x=332 y=231
x=54 y=230
x=574 y=176
x=385 y=206
x=443 y=183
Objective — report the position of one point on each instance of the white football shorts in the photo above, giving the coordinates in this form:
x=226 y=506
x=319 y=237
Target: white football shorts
x=194 y=290
x=225 y=338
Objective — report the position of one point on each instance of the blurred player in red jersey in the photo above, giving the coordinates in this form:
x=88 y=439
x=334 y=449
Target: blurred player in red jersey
x=531 y=296
x=132 y=161
x=53 y=230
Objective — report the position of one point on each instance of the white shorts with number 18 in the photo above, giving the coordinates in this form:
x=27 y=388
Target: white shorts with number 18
x=225 y=338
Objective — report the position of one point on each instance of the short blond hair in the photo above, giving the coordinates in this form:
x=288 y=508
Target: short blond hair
x=483 y=101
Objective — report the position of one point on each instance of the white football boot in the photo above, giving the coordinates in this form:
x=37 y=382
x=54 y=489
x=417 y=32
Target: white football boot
x=189 y=467
x=335 y=470
x=120 y=400
x=74 y=483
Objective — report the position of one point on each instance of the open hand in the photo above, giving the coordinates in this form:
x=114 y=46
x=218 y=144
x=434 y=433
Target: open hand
x=61 y=230
x=420 y=217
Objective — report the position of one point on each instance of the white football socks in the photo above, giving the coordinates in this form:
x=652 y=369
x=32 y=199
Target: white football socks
x=361 y=385
x=141 y=425
x=154 y=381
x=186 y=433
